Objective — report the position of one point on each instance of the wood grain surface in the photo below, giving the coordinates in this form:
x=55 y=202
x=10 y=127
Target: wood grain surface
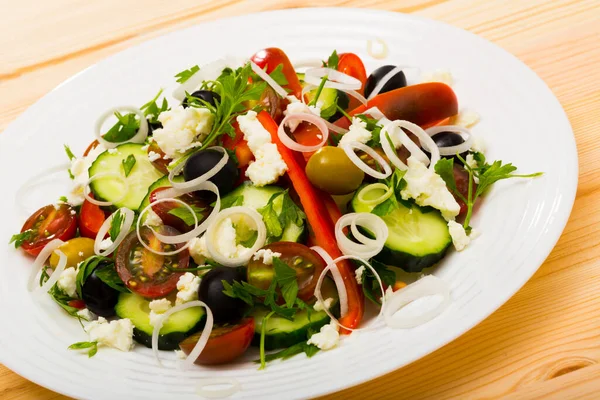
x=543 y=343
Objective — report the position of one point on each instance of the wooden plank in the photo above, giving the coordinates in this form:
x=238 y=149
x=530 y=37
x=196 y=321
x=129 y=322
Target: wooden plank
x=544 y=341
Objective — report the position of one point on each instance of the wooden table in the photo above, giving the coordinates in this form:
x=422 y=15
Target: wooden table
x=545 y=341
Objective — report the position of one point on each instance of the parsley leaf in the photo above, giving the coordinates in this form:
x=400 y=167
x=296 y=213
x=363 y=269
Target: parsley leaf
x=186 y=74
x=279 y=212
x=91 y=346
x=108 y=274
x=19 y=238
x=231 y=201
x=152 y=110
x=445 y=168
x=115 y=225
x=184 y=214
x=286 y=280
x=63 y=199
x=384 y=208
x=263 y=334
x=128 y=164
x=332 y=61
x=370 y=285
x=302 y=347
x=278 y=75
x=69 y=152
x=124 y=129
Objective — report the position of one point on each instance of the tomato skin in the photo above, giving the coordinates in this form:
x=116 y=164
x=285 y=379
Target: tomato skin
x=224 y=344
x=461 y=177
x=160 y=164
x=59 y=223
x=162 y=209
x=77 y=303
x=91 y=218
x=351 y=64
x=148 y=276
x=271 y=57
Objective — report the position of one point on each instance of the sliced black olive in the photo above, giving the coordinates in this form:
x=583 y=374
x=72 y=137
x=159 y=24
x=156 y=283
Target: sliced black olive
x=396 y=82
x=448 y=139
x=98 y=297
x=206 y=95
x=225 y=309
x=203 y=161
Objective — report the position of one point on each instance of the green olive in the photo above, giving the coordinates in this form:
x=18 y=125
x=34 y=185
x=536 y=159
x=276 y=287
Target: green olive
x=332 y=171
x=76 y=250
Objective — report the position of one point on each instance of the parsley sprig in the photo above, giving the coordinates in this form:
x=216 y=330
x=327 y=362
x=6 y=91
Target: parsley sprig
x=152 y=110
x=115 y=225
x=91 y=347
x=184 y=214
x=333 y=61
x=279 y=212
x=104 y=268
x=19 y=238
x=128 y=164
x=486 y=174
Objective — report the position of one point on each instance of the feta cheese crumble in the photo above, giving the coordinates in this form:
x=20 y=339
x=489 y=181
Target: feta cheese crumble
x=79 y=170
x=157 y=308
x=323 y=305
x=198 y=250
x=117 y=334
x=152 y=218
x=182 y=127
x=226 y=240
x=356 y=133
x=458 y=235
x=470 y=160
x=106 y=243
x=266 y=255
x=153 y=156
x=180 y=354
x=439 y=75
x=478 y=144
x=428 y=189
x=327 y=338
x=268 y=165
x=298 y=107
x=67 y=282
x=466 y=118
x=86 y=314
x=187 y=287
x=358 y=274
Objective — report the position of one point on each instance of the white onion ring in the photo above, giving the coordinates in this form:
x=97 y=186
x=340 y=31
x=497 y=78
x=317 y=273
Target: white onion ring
x=140 y=135
x=354 y=94
x=60 y=267
x=377 y=55
x=259 y=224
x=289 y=143
x=414 y=149
x=457 y=149
x=86 y=188
x=374 y=186
x=270 y=81
x=40 y=260
x=305 y=90
x=308 y=63
x=335 y=79
x=427 y=286
x=35 y=180
x=386 y=78
x=235 y=387
x=337 y=278
x=367 y=247
x=191 y=185
x=374 y=112
x=349 y=150
x=127 y=222
x=208 y=72
x=335 y=128
x=329 y=267
x=384 y=140
x=208 y=326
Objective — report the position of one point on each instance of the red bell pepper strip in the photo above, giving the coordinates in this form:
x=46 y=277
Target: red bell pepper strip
x=351 y=64
x=271 y=58
x=314 y=204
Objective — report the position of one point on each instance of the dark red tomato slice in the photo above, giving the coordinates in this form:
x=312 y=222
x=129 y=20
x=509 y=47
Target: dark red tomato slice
x=77 y=303
x=461 y=176
x=351 y=64
x=91 y=218
x=165 y=210
x=144 y=272
x=306 y=262
x=225 y=343
x=160 y=164
x=49 y=223
x=91 y=147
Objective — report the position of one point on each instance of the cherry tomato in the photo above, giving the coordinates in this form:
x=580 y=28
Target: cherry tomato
x=461 y=176
x=271 y=58
x=163 y=210
x=160 y=164
x=91 y=147
x=79 y=304
x=306 y=262
x=91 y=218
x=48 y=223
x=144 y=272
x=225 y=343
x=351 y=64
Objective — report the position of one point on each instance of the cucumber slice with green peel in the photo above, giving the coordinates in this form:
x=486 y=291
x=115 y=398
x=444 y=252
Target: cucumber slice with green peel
x=418 y=238
x=258 y=197
x=282 y=333
x=109 y=188
x=179 y=325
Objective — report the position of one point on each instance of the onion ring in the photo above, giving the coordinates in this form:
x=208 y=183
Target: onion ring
x=127 y=222
x=386 y=78
x=349 y=150
x=457 y=149
x=375 y=186
x=86 y=188
x=383 y=53
x=290 y=144
x=337 y=277
x=336 y=79
x=140 y=135
x=40 y=260
x=202 y=178
x=270 y=81
x=367 y=247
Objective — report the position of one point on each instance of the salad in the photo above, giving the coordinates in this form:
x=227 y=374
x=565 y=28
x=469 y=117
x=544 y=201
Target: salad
x=265 y=204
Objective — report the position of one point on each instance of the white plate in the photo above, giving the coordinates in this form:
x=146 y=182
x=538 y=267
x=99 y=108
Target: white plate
x=520 y=221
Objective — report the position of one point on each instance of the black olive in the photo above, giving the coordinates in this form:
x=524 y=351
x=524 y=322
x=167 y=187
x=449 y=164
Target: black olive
x=98 y=297
x=225 y=309
x=206 y=95
x=152 y=126
x=396 y=82
x=203 y=161
x=447 y=139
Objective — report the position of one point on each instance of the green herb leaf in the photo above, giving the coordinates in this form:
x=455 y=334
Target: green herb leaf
x=247 y=239
x=302 y=347
x=384 y=208
x=115 y=225
x=87 y=267
x=263 y=334
x=271 y=219
x=370 y=285
x=332 y=61
x=124 y=129
x=108 y=274
x=186 y=74
x=286 y=280
x=184 y=214
x=278 y=76
x=445 y=168
x=19 y=238
x=152 y=110
x=231 y=201
x=238 y=291
x=69 y=152
x=63 y=199
x=128 y=164
x=92 y=346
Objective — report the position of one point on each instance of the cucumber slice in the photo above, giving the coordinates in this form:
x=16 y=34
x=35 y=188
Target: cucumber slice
x=283 y=333
x=328 y=98
x=417 y=239
x=258 y=197
x=179 y=325
x=140 y=178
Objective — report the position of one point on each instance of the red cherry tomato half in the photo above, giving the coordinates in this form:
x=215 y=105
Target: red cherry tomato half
x=351 y=64
x=306 y=262
x=225 y=343
x=160 y=164
x=271 y=58
x=144 y=272
x=164 y=209
x=91 y=218
x=48 y=223
x=77 y=303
